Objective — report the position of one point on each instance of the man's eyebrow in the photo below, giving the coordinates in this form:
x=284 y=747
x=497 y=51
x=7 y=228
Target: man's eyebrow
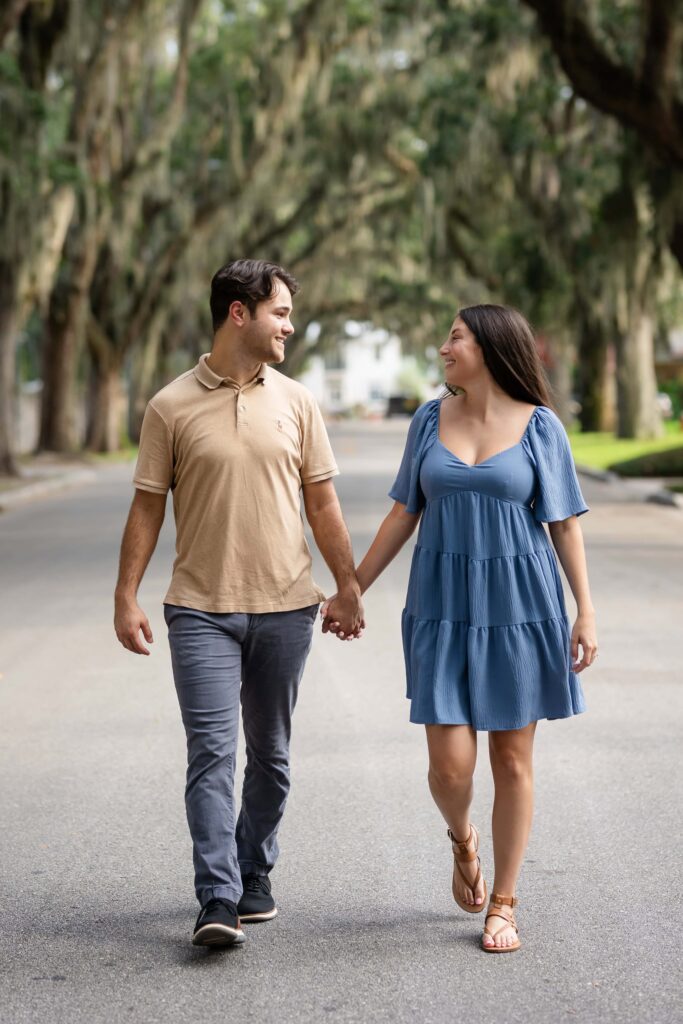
x=285 y=309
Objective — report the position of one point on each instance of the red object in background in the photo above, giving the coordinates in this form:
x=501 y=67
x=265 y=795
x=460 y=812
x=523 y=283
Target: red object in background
x=544 y=349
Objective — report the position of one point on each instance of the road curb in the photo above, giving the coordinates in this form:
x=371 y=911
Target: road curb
x=606 y=476
x=42 y=488
x=665 y=497
x=658 y=495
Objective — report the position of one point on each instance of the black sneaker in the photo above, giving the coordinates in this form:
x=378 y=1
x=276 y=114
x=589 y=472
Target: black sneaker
x=256 y=904
x=218 y=925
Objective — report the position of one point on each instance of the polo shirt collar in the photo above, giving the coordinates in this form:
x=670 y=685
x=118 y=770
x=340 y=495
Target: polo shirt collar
x=209 y=379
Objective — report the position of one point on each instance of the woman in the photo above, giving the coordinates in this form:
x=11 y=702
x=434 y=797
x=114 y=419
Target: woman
x=485 y=632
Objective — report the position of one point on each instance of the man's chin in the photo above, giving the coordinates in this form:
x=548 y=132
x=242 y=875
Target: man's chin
x=277 y=355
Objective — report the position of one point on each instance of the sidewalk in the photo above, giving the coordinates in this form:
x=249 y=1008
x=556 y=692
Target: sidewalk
x=45 y=474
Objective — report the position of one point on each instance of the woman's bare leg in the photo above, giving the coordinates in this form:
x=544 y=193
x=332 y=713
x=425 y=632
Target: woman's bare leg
x=511 y=754
x=452 y=759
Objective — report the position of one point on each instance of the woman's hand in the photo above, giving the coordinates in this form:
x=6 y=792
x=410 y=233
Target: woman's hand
x=331 y=622
x=584 y=635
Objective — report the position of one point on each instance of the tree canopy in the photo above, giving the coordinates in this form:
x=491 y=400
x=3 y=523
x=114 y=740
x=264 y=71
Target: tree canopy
x=402 y=159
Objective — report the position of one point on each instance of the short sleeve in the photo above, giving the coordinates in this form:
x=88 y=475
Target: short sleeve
x=558 y=494
x=406 y=487
x=154 y=468
x=317 y=459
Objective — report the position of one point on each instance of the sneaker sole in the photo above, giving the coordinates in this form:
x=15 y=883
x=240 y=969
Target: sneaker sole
x=218 y=935
x=267 y=915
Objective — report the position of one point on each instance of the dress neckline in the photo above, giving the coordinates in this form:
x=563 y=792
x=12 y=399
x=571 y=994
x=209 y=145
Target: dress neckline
x=484 y=462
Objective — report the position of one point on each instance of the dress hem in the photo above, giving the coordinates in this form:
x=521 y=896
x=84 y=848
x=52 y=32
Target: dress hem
x=503 y=728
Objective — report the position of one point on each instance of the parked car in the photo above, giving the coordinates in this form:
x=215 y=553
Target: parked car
x=402 y=405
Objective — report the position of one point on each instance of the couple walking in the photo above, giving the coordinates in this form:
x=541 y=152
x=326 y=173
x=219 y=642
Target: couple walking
x=486 y=638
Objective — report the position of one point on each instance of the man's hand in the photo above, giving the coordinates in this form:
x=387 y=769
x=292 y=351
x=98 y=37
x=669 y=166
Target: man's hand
x=139 y=539
x=129 y=620
x=343 y=614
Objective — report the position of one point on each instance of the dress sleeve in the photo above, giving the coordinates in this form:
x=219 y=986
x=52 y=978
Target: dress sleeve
x=406 y=487
x=558 y=494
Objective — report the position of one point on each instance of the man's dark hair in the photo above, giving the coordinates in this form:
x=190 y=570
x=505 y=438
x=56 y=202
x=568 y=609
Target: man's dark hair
x=247 y=281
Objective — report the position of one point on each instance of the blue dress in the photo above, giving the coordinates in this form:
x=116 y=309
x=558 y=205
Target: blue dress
x=486 y=637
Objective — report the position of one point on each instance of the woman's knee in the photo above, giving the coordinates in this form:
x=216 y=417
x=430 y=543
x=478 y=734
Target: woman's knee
x=450 y=775
x=509 y=763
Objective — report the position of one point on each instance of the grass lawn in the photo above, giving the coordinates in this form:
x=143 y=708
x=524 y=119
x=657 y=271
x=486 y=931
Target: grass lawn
x=601 y=450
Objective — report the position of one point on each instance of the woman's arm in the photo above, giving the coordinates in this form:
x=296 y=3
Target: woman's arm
x=391 y=536
x=567 y=539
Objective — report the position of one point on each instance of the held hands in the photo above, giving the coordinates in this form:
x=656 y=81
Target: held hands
x=129 y=620
x=584 y=634
x=343 y=614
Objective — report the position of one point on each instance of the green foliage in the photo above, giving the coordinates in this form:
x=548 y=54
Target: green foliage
x=674 y=389
x=605 y=451
x=404 y=158
x=663 y=463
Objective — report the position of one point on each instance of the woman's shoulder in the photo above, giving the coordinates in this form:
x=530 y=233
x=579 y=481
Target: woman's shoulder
x=546 y=420
x=425 y=412
x=428 y=407
x=546 y=429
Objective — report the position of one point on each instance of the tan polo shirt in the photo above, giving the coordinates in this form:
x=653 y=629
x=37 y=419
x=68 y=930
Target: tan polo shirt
x=235 y=458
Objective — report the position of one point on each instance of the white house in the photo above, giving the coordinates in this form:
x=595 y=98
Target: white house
x=359 y=373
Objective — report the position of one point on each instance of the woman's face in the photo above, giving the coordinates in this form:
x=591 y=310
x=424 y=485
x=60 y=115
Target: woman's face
x=462 y=357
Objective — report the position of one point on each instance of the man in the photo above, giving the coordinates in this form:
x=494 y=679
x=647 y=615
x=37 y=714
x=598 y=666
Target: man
x=236 y=442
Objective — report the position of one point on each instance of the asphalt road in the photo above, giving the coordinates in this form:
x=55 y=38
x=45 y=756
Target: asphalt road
x=97 y=904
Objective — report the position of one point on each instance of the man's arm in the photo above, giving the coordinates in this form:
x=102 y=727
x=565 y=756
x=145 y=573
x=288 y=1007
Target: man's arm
x=139 y=540
x=329 y=529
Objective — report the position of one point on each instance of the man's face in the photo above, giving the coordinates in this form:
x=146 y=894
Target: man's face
x=267 y=331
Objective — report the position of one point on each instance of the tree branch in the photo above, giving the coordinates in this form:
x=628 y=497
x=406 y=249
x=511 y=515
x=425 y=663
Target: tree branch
x=614 y=88
x=9 y=18
x=40 y=29
x=662 y=35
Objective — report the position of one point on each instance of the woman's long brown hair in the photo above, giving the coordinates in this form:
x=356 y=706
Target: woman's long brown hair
x=509 y=349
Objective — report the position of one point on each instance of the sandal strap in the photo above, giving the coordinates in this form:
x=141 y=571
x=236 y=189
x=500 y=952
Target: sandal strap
x=470 y=885
x=509 y=901
x=462 y=853
x=508 y=924
x=505 y=915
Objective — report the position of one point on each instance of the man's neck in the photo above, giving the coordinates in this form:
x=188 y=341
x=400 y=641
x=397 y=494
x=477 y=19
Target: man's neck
x=235 y=365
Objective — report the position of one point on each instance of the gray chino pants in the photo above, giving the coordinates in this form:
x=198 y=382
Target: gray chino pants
x=211 y=655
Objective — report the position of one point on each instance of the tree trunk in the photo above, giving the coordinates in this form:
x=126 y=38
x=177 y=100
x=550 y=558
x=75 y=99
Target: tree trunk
x=636 y=275
x=58 y=428
x=638 y=415
x=9 y=319
x=66 y=325
x=592 y=371
x=144 y=375
x=106 y=409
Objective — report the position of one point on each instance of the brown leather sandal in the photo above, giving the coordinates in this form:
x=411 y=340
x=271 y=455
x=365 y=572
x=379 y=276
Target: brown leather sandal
x=501 y=903
x=461 y=855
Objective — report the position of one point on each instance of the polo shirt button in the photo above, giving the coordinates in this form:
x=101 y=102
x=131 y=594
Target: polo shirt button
x=243 y=407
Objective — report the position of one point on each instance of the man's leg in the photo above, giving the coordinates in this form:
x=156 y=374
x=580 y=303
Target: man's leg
x=274 y=655
x=207 y=656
